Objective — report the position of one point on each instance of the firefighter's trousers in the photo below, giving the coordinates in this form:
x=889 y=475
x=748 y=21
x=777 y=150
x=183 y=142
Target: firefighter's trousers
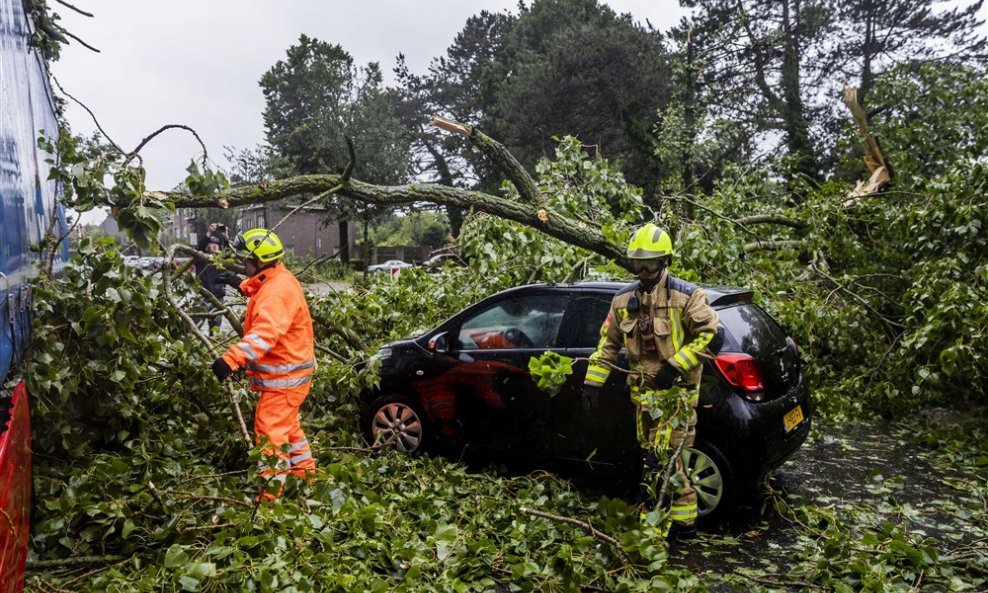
x=658 y=436
x=276 y=423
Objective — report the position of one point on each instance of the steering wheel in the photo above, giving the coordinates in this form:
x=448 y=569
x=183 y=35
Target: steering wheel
x=518 y=338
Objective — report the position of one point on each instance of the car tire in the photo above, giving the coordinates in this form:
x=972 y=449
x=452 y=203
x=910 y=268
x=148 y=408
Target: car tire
x=399 y=421
x=713 y=479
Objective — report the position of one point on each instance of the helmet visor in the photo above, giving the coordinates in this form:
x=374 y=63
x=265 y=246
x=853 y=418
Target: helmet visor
x=648 y=265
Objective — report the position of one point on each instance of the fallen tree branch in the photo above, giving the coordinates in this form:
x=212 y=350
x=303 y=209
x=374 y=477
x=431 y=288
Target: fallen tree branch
x=497 y=152
x=894 y=326
x=772 y=219
x=772 y=245
x=711 y=211
x=585 y=525
x=73 y=561
x=546 y=221
x=231 y=392
x=91 y=114
x=79 y=10
x=130 y=155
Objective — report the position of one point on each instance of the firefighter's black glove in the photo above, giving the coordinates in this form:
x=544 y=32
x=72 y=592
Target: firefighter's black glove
x=221 y=369
x=666 y=377
x=590 y=398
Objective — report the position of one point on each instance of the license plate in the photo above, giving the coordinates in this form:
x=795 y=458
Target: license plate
x=793 y=418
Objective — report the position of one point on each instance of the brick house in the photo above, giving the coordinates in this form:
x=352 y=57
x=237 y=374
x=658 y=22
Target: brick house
x=304 y=234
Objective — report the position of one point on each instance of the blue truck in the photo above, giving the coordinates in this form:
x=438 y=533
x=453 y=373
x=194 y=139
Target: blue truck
x=28 y=206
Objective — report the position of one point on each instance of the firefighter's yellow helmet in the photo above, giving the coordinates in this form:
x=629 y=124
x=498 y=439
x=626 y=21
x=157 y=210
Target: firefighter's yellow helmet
x=259 y=243
x=649 y=242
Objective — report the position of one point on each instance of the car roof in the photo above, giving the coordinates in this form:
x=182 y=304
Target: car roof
x=717 y=295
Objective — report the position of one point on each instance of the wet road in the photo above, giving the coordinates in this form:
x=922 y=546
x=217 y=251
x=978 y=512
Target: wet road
x=877 y=465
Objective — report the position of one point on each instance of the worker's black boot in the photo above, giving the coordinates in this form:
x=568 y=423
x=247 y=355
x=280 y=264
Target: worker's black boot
x=680 y=531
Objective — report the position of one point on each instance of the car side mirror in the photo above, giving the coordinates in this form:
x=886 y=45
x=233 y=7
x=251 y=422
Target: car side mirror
x=439 y=343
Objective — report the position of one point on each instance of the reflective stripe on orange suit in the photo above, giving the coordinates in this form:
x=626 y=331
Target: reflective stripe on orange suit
x=278 y=350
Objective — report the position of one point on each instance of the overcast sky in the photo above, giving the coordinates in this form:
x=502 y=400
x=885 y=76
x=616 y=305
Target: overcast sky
x=198 y=62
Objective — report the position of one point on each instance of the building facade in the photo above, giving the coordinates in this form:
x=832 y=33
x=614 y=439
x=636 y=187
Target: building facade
x=310 y=232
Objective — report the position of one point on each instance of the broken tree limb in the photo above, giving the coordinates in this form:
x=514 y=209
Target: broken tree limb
x=585 y=525
x=772 y=245
x=210 y=348
x=881 y=171
x=551 y=223
x=772 y=219
x=497 y=152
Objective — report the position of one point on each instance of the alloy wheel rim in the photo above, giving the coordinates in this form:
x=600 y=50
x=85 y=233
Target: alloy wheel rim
x=706 y=479
x=397 y=425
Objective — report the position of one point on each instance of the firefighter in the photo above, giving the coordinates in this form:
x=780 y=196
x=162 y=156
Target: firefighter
x=277 y=350
x=668 y=328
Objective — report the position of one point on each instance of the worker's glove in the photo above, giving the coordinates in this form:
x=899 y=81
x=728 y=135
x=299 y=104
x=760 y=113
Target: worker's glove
x=221 y=369
x=666 y=377
x=590 y=398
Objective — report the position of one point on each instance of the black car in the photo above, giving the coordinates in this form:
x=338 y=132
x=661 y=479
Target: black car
x=466 y=383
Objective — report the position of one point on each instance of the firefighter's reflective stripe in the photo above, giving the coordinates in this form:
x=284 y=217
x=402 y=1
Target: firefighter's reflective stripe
x=299 y=445
x=300 y=458
x=247 y=350
x=597 y=375
x=279 y=383
x=281 y=369
x=686 y=358
x=683 y=513
x=257 y=341
x=676 y=321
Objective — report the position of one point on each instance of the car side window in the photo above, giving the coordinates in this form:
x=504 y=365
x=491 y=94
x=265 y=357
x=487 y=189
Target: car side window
x=518 y=322
x=585 y=316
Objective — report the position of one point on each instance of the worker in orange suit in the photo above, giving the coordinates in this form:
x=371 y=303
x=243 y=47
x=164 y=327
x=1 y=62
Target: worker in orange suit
x=277 y=350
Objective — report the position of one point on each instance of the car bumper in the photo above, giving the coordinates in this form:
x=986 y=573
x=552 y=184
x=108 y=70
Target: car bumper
x=779 y=442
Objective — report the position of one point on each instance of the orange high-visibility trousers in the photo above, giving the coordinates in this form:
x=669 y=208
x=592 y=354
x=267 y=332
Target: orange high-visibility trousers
x=276 y=421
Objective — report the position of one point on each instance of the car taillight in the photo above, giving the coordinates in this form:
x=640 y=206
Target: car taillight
x=742 y=371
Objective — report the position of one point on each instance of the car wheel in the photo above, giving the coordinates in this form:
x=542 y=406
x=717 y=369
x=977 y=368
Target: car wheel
x=712 y=478
x=397 y=421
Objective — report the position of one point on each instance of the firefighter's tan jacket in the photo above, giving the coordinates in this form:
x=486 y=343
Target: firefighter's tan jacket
x=683 y=326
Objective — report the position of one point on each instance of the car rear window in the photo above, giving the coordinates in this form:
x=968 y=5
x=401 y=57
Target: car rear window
x=750 y=329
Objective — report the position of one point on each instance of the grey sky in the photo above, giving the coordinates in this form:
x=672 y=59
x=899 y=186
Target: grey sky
x=198 y=62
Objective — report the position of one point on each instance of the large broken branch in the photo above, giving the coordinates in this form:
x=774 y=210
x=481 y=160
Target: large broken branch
x=881 y=173
x=531 y=214
x=497 y=152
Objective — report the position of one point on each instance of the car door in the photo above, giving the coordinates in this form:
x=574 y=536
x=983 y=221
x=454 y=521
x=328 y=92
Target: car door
x=606 y=435
x=497 y=403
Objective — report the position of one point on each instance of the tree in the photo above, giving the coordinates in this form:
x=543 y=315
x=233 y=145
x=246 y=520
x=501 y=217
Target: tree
x=757 y=53
x=454 y=87
x=778 y=65
x=877 y=34
x=315 y=99
x=575 y=67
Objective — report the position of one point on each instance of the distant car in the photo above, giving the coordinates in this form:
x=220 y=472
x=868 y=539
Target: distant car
x=133 y=261
x=466 y=383
x=436 y=261
x=388 y=266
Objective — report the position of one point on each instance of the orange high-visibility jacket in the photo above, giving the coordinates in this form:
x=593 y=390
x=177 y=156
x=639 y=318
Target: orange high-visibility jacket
x=278 y=344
